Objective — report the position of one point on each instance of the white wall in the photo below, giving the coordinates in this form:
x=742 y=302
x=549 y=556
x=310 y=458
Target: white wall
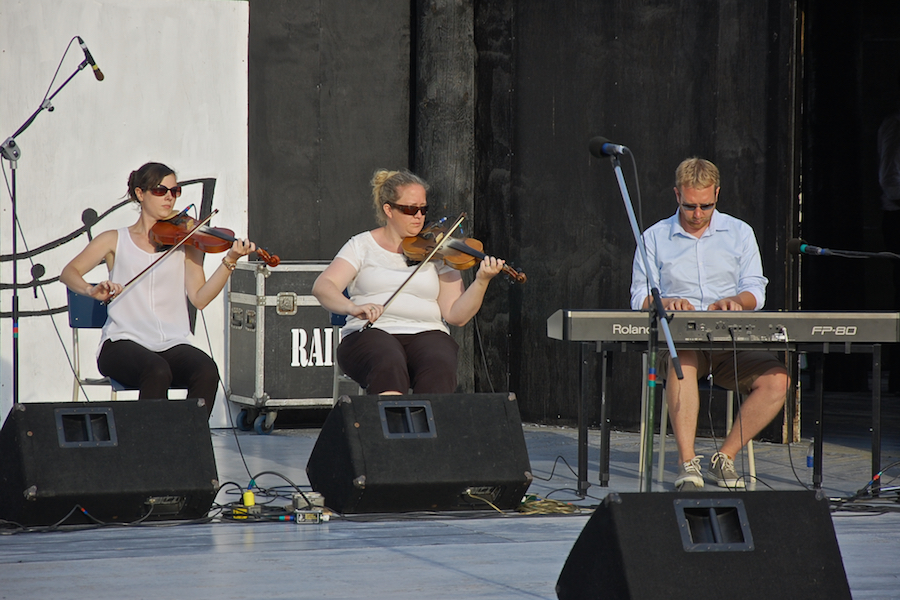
x=175 y=91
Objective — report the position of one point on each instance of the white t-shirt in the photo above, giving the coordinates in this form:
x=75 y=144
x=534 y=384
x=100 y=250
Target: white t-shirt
x=380 y=273
x=153 y=310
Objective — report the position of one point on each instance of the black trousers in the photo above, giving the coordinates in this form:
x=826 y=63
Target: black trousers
x=153 y=373
x=382 y=362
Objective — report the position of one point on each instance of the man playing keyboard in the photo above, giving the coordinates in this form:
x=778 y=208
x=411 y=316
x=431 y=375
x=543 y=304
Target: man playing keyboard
x=703 y=259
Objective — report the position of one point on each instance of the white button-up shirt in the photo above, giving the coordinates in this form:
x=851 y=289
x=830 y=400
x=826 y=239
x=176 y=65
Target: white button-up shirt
x=724 y=261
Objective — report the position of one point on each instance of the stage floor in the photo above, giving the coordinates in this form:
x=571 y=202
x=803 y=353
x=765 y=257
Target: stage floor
x=417 y=556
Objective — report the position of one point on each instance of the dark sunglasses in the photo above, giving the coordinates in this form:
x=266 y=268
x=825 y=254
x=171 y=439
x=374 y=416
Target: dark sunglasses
x=161 y=190
x=410 y=210
x=693 y=207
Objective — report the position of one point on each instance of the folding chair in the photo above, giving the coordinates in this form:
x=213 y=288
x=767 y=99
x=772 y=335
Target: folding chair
x=85 y=313
x=88 y=313
x=338 y=321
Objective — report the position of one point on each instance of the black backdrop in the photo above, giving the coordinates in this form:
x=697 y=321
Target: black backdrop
x=494 y=103
x=328 y=104
x=849 y=87
x=669 y=81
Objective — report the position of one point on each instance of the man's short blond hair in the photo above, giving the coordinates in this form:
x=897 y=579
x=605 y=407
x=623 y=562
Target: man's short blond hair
x=696 y=173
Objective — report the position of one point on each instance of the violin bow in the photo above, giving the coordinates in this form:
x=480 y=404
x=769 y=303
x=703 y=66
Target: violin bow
x=165 y=254
x=435 y=250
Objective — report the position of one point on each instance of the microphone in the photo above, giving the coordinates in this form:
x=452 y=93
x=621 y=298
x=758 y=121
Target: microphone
x=87 y=55
x=600 y=147
x=797 y=246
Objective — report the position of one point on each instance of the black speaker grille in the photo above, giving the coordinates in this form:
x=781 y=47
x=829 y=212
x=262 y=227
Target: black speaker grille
x=406 y=419
x=713 y=524
x=86 y=427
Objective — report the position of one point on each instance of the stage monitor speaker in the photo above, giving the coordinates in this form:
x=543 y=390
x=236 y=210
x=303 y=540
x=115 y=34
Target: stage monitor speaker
x=120 y=461
x=693 y=545
x=421 y=452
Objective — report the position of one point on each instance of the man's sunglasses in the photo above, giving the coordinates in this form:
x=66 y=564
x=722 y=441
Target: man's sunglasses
x=161 y=190
x=693 y=207
x=410 y=210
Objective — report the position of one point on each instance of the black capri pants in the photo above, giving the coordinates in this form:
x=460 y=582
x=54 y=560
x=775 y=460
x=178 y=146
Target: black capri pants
x=383 y=362
x=153 y=373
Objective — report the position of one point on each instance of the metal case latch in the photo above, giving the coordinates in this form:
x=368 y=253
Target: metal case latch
x=286 y=303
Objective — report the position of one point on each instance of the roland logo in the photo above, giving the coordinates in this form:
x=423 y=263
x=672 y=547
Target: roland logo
x=838 y=330
x=629 y=329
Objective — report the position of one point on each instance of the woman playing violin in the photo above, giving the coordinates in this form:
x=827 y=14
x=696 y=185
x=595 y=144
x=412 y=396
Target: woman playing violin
x=409 y=344
x=145 y=342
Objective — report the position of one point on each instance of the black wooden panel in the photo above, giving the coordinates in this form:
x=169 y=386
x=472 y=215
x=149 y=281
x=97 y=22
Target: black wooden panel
x=669 y=81
x=493 y=219
x=443 y=119
x=283 y=97
x=849 y=88
x=364 y=111
x=328 y=104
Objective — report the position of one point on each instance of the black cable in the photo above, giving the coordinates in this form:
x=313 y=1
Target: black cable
x=637 y=189
x=58 y=67
x=96 y=523
x=553 y=470
x=484 y=364
x=790 y=455
x=18 y=224
x=232 y=427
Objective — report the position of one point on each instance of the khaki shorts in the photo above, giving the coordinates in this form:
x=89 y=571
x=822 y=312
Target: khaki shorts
x=749 y=365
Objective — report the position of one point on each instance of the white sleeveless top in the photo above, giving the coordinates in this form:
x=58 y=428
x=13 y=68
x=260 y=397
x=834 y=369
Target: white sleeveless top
x=153 y=310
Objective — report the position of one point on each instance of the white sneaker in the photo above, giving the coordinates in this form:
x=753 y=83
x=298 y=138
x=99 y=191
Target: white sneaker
x=721 y=468
x=690 y=473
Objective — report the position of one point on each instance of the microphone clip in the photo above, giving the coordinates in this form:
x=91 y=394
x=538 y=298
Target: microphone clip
x=10 y=150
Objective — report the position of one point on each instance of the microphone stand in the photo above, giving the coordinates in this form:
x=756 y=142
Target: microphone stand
x=818 y=439
x=10 y=151
x=657 y=315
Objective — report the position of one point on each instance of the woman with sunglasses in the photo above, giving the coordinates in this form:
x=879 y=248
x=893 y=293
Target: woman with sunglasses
x=408 y=345
x=146 y=340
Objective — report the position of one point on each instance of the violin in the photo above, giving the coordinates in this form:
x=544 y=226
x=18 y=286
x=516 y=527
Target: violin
x=179 y=228
x=461 y=254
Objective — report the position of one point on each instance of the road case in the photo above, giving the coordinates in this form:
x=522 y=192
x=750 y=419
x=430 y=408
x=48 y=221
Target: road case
x=280 y=343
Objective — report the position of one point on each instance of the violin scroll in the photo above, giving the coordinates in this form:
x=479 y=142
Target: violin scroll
x=516 y=276
x=270 y=259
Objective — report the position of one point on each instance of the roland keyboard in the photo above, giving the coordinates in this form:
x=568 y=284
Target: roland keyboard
x=728 y=326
